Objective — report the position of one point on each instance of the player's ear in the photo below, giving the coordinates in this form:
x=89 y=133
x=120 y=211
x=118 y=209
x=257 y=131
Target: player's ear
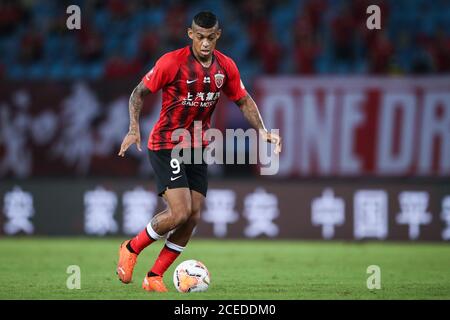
x=190 y=33
x=218 y=33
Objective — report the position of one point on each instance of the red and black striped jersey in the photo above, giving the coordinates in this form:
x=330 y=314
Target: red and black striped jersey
x=190 y=93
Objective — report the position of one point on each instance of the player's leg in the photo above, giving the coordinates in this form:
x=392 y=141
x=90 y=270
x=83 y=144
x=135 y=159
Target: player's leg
x=182 y=234
x=177 y=213
x=178 y=239
x=143 y=239
x=196 y=175
x=198 y=184
x=177 y=186
x=161 y=222
x=180 y=210
x=129 y=251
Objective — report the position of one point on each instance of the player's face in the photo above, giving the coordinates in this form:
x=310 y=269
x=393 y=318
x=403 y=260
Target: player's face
x=204 y=40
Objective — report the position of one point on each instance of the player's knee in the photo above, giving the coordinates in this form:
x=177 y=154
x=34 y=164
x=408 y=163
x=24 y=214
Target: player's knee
x=195 y=217
x=181 y=213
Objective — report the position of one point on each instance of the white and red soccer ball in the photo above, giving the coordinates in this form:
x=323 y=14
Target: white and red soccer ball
x=191 y=276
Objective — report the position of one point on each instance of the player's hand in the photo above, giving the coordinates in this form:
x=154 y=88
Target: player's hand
x=272 y=138
x=131 y=138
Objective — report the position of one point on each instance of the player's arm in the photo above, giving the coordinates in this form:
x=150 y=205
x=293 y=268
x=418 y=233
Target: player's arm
x=135 y=106
x=253 y=116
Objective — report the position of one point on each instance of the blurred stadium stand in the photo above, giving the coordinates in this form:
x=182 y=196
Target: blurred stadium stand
x=123 y=38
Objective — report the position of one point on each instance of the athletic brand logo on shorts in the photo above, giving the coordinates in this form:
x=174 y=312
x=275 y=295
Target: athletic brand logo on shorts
x=174 y=178
x=218 y=78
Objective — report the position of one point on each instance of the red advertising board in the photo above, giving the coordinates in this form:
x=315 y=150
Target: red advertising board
x=331 y=126
x=347 y=126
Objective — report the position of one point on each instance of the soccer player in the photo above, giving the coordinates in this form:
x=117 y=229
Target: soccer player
x=191 y=79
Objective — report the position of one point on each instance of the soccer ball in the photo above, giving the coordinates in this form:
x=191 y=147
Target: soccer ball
x=191 y=276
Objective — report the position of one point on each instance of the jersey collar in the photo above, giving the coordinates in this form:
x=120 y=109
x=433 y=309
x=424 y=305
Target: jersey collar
x=212 y=59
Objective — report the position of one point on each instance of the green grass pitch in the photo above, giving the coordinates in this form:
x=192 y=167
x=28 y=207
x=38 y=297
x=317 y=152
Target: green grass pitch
x=35 y=268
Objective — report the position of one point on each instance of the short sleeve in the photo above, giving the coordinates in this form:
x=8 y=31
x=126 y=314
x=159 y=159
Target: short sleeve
x=234 y=88
x=161 y=74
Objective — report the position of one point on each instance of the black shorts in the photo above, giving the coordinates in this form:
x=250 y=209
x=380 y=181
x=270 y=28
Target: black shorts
x=172 y=173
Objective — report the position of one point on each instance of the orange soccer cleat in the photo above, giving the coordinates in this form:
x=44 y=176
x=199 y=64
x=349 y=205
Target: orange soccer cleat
x=127 y=261
x=154 y=283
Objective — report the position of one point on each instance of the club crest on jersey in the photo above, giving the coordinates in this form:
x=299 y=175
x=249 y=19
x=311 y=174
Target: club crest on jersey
x=218 y=78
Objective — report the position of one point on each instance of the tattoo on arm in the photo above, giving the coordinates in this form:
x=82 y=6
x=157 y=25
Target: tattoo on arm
x=251 y=112
x=135 y=106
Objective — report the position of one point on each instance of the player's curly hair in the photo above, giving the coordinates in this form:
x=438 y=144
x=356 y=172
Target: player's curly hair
x=205 y=19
